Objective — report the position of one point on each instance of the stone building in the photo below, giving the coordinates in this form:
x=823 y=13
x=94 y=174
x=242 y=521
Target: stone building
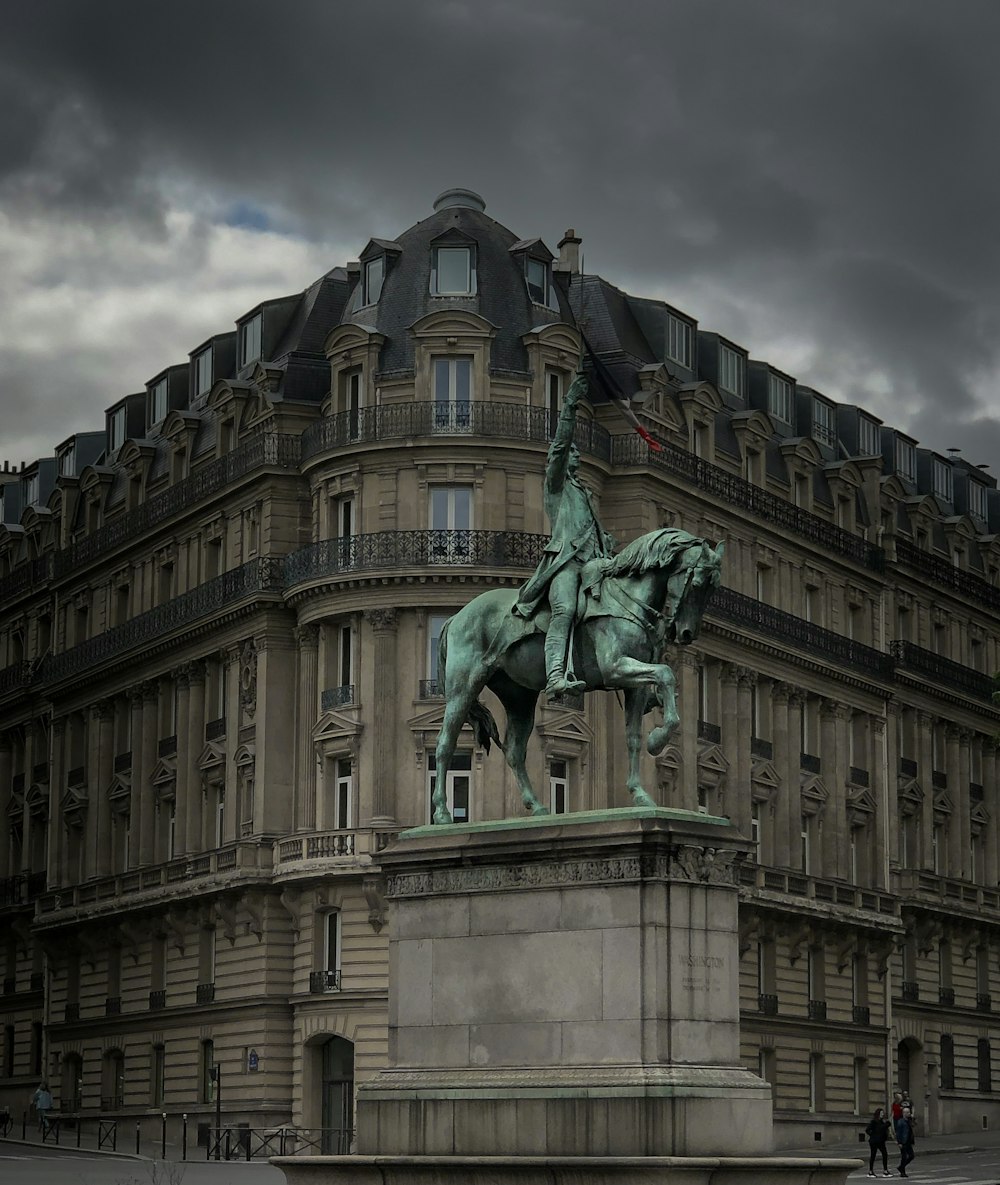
x=219 y=697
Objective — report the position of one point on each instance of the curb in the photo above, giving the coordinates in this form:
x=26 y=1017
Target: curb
x=71 y=1148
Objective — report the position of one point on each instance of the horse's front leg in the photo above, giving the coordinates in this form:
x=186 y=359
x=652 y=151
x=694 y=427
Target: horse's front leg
x=519 y=704
x=666 y=693
x=635 y=706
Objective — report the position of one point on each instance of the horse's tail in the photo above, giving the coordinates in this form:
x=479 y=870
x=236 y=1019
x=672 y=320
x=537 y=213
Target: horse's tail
x=480 y=717
x=484 y=726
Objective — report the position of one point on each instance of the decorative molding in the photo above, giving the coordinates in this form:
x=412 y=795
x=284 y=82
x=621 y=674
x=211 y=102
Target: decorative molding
x=381 y=620
x=374 y=888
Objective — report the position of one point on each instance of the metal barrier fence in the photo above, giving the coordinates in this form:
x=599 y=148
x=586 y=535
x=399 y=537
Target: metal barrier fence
x=63 y=1131
x=253 y=1143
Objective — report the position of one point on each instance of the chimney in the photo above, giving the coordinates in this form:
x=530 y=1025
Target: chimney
x=569 y=253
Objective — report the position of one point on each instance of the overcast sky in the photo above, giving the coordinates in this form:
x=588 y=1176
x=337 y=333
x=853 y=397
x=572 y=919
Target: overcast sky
x=817 y=179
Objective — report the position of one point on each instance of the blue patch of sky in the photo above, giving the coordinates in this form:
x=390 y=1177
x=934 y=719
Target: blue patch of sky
x=247 y=216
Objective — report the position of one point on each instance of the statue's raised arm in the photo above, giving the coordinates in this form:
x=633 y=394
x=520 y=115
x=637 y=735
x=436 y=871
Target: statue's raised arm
x=562 y=443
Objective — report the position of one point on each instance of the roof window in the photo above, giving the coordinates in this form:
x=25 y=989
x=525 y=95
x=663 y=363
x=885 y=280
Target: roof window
x=779 y=398
x=374 y=275
x=157 y=402
x=732 y=371
x=824 y=421
x=203 y=372
x=250 y=339
x=941 y=480
x=868 y=437
x=679 y=339
x=906 y=459
x=453 y=271
x=116 y=429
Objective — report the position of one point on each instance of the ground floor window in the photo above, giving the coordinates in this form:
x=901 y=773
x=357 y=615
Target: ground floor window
x=458 y=786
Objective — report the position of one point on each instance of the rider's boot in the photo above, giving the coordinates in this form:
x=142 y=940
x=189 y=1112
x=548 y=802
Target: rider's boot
x=556 y=646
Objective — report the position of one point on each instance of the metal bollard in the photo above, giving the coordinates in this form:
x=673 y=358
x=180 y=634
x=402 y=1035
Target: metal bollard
x=24 y=1125
x=79 y=1128
x=184 y=1137
x=163 y=1136
x=138 y=1133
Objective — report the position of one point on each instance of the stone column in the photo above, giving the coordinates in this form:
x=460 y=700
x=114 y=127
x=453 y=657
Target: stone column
x=100 y=771
x=793 y=801
x=882 y=791
x=737 y=792
x=28 y=824
x=924 y=724
x=746 y=680
x=786 y=749
x=307 y=707
x=57 y=872
x=888 y=770
x=690 y=711
x=6 y=776
x=991 y=789
x=181 y=804
x=149 y=744
x=194 y=743
x=383 y=623
x=957 y=855
x=963 y=802
x=835 y=830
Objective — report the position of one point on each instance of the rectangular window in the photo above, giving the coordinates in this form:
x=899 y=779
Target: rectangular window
x=536 y=274
x=558 y=788
x=941 y=477
x=206 y=1071
x=453 y=272
x=344 y=795
x=67 y=464
x=345 y=655
x=869 y=444
x=679 y=339
x=206 y=956
x=732 y=371
x=158 y=1075
x=452 y=393
x=906 y=459
x=435 y=624
x=31 y=490
x=804 y=838
x=203 y=372
x=779 y=398
x=374 y=275
x=116 y=429
x=451 y=508
x=977 y=499
x=250 y=339
x=755 y=831
x=344 y=524
x=157 y=402
x=331 y=943
x=553 y=400
x=824 y=423
x=458 y=788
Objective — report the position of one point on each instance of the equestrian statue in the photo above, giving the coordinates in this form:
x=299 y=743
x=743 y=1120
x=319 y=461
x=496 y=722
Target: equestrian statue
x=587 y=620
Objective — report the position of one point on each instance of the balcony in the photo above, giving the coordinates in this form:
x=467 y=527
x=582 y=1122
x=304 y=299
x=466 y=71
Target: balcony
x=157 y=625
x=77 y=777
x=938 y=569
x=321 y=982
x=9 y=985
x=112 y=1102
x=113 y=1006
x=430 y=689
x=861 y=1014
x=907 y=767
x=16 y=676
x=767 y=1004
x=13 y=890
x=760 y=880
x=858 y=777
x=157 y=999
x=142 y=887
x=205 y=993
x=266 y=450
x=215 y=730
x=910 y=990
x=946 y=996
x=359 y=846
x=72 y=1011
x=567 y=700
x=941 y=672
x=949 y=895
x=517 y=550
x=761 y=748
x=26 y=578
x=630 y=450
x=167 y=746
x=123 y=762
x=809 y=763
x=336 y=697
x=37 y=981
x=984 y=1002
x=939 y=779
x=70 y=1104
x=712 y=733
x=423 y=418
x=817 y=1009
x=750 y=614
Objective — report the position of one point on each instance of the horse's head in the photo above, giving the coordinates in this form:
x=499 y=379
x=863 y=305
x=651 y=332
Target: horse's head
x=689 y=588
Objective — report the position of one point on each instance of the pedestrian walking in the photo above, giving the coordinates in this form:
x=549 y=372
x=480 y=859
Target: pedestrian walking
x=878 y=1132
x=42 y=1102
x=905 y=1140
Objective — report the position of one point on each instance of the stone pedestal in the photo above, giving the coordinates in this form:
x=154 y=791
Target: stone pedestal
x=563 y=999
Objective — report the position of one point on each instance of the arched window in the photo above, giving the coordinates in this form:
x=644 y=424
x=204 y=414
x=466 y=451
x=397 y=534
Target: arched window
x=338 y=1096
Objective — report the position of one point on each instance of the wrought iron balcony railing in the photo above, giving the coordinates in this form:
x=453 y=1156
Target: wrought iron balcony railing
x=112 y=1102
x=942 y=672
x=910 y=990
x=946 y=995
x=257 y=576
x=27 y=577
x=113 y=1006
x=430 y=689
x=631 y=450
x=157 y=999
x=72 y=1011
x=761 y=748
x=415 y=549
x=767 y=1004
x=747 y=612
x=936 y=568
x=817 y=1010
x=215 y=730
x=205 y=993
x=17 y=675
x=398 y=421
x=266 y=450
x=336 y=697
x=324 y=981
x=984 y=1002
x=70 y=1104
x=861 y=1014
x=709 y=732
x=809 y=763
x=167 y=746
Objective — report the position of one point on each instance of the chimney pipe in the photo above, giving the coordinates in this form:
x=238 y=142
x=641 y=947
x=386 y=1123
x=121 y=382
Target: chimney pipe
x=569 y=253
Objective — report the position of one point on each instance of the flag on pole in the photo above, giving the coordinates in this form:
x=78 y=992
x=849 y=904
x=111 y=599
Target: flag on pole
x=608 y=384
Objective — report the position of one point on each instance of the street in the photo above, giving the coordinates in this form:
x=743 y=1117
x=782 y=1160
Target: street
x=24 y=1165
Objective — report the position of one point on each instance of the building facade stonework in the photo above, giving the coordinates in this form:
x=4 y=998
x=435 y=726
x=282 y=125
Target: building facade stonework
x=219 y=695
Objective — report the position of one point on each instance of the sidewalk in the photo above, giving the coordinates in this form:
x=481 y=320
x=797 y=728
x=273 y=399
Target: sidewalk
x=956 y=1142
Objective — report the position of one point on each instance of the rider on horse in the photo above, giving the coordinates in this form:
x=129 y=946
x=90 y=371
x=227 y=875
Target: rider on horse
x=577 y=537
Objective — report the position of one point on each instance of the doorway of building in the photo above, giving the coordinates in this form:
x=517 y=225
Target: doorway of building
x=338 y=1096
x=911 y=1076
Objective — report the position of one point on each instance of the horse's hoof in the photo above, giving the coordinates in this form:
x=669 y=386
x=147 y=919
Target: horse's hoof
x=641 y=798
x=442 y=815
x=538 y=809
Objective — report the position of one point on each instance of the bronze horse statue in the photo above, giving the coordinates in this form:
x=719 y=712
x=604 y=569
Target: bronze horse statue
x=631 y=605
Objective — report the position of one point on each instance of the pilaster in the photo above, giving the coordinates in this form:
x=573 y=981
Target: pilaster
x=383 y=624
x=194 y=742
x=307 y=637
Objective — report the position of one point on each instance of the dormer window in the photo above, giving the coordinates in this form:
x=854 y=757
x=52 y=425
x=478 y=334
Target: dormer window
x=536 y=275
x=250 y=339
x=868 y=437
x=157 y=402
x=732 y=371
x=906 y=459
x=453 y=271
x=941 y=478
x=679 y=338
x=824 y=417
x=67 y=461
x=779 y=398
x=31 y=490
x=116 y=429
x=977 y=499
x=203 y=372
x=374 y=275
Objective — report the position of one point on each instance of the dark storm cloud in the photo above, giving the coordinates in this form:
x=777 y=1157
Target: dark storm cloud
x=814 y=173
